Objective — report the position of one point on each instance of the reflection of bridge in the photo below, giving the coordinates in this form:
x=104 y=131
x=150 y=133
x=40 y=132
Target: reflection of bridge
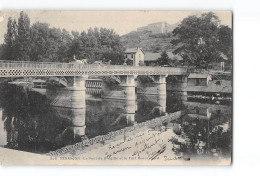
x=25 y=68
x=111 y=112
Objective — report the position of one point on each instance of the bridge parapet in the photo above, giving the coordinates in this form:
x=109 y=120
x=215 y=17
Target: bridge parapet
x=25 y=68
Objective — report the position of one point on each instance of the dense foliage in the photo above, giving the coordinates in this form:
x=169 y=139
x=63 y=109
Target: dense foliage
x=164 y=59
x=202 y=40
x=39 y=42
x=148 y=41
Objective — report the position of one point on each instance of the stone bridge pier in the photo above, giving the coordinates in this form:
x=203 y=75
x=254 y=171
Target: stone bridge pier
x=125 y=90
x=161 y=100
x=155 y=86
x=70 y=102
x=130 y=110
x=76 y=92
x=160 y=84
x=75 y=117
x=72 y=96
x=78 y=121
x=128 y=86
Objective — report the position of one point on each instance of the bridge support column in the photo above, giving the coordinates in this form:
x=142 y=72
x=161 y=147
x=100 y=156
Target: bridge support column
x=72 y=96
x=78 y=121
x=76 y=117
x=162 y=102
x=152 y=85
x=128 y=86
x=130 y=109
x=160 y=82
x=77 y=92
x=124 y=89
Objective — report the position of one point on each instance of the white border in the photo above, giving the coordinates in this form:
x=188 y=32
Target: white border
x=246 y=157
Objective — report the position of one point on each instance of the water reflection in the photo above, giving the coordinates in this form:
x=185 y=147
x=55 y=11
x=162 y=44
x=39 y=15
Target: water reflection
x=103 y=116
x=150 y=106
x=204 y=130
x=31 y=122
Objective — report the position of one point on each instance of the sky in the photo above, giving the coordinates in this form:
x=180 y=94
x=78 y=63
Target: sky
x=122 y=22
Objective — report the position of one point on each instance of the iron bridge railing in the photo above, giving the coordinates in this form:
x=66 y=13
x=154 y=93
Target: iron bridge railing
x=87 y=68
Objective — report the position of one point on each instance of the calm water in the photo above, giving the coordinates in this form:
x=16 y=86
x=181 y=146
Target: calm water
x=30 y=123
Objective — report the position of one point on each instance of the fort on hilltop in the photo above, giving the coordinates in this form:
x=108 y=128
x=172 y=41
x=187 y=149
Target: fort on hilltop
x=157 y=28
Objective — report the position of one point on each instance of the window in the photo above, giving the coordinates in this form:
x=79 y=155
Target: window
x=197 y=82
x=140 y=56
x=132 y=55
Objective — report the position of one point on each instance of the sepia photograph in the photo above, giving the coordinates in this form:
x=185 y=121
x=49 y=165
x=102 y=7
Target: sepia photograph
x=116 y=87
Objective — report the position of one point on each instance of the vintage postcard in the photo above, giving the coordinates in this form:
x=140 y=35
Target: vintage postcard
x=116 y=87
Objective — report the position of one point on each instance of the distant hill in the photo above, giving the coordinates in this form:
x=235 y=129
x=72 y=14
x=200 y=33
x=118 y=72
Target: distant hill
x=148 y=41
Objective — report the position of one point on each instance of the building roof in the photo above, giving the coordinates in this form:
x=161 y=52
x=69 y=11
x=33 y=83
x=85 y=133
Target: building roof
x=149 y=56
x=198 y=75
x=143 y=27
x=225 y=87
x=157 y=23
x=132 y=50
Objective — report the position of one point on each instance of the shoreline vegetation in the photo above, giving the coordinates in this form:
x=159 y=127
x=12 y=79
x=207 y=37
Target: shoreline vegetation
x=201 y=41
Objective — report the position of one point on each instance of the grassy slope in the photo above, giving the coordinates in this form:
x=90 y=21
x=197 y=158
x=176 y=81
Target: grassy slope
x=147 y=41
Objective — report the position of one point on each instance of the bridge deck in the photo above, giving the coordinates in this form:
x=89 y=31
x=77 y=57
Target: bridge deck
x=25 y=68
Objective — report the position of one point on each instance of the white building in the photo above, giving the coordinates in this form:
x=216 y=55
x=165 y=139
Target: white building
x=135 y=54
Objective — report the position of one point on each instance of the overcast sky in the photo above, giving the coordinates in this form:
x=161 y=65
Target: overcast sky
x=121 y=21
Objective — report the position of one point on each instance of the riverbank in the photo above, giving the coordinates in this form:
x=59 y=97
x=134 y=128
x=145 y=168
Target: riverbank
x=147 y=143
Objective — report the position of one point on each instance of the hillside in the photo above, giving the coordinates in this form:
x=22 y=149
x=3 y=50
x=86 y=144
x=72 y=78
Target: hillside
x=148 y=41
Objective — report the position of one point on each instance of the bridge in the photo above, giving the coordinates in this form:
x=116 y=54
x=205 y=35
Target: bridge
x=73 y=95
x=28 y=68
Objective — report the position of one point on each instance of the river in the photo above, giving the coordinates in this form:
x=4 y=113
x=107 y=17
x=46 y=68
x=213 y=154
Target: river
x=28 y=121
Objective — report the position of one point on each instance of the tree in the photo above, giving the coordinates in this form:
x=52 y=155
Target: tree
x=200 y=41
x=9 y=50
x=39 y=42
x=111 y=46
x=129 y=62
x=49 y=44
x=226 y=41
x=1 y=52
x=64 y=54
x=164 y=59
x=98 y=44
x=23 y=43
